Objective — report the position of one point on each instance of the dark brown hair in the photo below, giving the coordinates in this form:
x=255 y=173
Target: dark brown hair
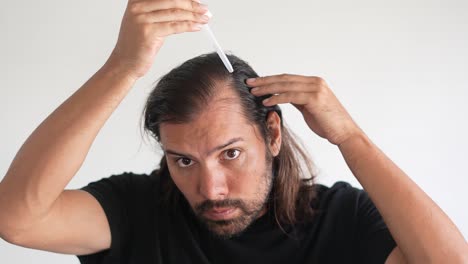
x=185 y=91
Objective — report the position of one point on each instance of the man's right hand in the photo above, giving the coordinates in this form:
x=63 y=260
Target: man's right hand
x=144 y=27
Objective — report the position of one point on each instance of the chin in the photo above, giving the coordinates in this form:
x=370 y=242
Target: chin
x=226 y=229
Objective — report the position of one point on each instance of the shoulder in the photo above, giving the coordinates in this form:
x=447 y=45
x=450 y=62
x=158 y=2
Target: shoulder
x=127 y=200
x=126 y=180
x=347 y=219
x=124 y=186
x=340 y=192
x=342 y=202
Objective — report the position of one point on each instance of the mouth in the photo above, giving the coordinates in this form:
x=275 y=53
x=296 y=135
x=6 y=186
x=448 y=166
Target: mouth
x=223 y=213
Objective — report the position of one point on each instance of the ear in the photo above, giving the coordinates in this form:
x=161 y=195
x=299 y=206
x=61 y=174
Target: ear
x=274 y=129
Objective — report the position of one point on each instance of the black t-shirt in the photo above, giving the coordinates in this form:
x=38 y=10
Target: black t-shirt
x=347 y=229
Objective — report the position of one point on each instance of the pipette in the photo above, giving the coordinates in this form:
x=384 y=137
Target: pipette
x=216 y=45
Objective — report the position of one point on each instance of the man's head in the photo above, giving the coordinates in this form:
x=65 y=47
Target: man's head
x=221 y=162
x=222 y=146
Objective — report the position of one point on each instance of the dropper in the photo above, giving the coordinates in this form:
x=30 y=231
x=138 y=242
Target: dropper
x=216 y=45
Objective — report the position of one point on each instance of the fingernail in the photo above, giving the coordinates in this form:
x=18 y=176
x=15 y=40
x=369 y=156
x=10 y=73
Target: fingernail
x=266 y=101
x=197 y=26
x=251 y=80
x=254 y=89
x=205 y=18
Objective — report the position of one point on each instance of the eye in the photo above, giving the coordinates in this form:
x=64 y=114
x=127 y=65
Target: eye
x=231 y=154
x=184 y=162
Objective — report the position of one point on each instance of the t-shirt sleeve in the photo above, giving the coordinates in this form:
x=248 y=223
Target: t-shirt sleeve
x=113 y=193
x=375 y=242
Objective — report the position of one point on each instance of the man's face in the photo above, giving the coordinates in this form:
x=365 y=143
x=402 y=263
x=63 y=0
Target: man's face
x=220 y=163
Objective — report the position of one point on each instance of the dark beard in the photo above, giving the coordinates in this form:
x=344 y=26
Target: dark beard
x=226 y=229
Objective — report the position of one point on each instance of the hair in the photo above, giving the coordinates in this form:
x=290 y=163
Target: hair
x=185 y=91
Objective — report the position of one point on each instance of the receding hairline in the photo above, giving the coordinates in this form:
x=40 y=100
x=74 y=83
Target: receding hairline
x=222 y=93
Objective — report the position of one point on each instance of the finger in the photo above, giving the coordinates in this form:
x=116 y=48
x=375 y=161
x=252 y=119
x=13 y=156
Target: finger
x=282 y=78
x=283 y=87
x=169 y=15
x=164 y=29
x=138 y=7
x=289 y=97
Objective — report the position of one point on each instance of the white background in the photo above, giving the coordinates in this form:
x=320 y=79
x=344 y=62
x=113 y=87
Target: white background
x=399 y=67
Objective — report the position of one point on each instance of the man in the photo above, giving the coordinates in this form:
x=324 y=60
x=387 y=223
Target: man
x=230 y=188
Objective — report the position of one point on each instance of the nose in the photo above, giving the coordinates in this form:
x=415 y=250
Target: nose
x=212 y=183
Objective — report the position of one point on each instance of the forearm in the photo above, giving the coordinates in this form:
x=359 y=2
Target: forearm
x=420 y=228
x=55 y=151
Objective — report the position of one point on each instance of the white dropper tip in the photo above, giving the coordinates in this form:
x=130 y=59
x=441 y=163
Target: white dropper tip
x=216 y=45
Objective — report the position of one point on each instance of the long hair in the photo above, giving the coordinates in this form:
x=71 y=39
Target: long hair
x=183 y=93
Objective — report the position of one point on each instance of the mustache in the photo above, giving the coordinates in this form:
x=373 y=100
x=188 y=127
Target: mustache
x=210 y=204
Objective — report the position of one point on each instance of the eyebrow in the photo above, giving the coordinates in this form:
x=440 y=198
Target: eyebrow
x=230 y=142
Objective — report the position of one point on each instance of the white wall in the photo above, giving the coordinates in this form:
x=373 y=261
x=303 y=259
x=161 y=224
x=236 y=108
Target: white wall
x=400 y=68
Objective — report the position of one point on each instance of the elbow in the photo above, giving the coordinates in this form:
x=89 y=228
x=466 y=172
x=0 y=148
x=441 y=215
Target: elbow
x=11 y=236
x=15 y=221
x=14 y=231
x=18 y=235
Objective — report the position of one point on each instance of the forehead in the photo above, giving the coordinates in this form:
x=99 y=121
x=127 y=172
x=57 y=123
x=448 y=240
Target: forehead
x=220 y=121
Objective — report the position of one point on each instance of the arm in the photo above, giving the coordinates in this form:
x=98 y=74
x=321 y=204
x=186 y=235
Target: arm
x=421 y=229
x=39 y=212
x=32 y=192
x=424 y=234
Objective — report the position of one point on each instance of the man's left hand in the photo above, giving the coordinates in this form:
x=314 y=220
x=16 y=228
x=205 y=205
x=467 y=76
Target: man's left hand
x=322 y=111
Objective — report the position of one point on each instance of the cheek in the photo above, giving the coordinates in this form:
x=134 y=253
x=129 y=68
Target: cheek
x=255 y=161
x=248 y=172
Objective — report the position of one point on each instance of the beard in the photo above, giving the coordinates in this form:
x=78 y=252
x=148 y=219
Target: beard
x=249 y=209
